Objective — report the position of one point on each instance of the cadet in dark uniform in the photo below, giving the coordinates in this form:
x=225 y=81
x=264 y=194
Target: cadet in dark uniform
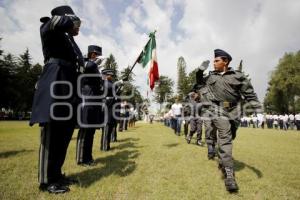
x=55 y=100
x=92 y=115
x=225 y=88
x=110 y=113
x=187 y=115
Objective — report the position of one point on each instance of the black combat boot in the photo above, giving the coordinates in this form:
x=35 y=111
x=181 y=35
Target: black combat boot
x=199 y=143
x=230 y=183
x=188 y=139
x=211 y=152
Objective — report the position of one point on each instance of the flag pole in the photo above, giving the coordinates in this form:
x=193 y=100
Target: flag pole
x=136 y=61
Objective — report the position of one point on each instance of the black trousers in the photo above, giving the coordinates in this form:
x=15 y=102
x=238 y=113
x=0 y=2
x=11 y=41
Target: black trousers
x=122 y=122
x=84 y=145
x=297 y=124
x=186 y=127
x=106 y=137
x=114 y=134
x=55 y=139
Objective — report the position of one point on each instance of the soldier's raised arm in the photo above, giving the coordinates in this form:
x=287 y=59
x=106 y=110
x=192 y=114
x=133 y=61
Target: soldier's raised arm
x=61 y=22
x=199 y=74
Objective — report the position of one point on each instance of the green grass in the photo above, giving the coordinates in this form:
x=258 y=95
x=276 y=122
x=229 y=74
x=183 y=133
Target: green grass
x=150 y=162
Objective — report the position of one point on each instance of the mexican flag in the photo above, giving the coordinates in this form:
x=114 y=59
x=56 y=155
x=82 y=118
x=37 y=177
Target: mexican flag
x=148 y=59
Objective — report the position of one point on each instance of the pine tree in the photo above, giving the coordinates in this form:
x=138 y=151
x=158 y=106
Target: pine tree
x=182 y=80
x=110 y=63
x=164 y=91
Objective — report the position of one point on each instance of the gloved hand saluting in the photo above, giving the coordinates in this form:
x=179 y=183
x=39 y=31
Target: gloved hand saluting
x=204 y=65
x=99 y=60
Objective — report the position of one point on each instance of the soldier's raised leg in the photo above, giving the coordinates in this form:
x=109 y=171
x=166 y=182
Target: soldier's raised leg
x=225 y=152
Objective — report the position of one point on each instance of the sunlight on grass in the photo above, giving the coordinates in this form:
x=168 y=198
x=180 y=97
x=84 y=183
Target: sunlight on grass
x=150 y=162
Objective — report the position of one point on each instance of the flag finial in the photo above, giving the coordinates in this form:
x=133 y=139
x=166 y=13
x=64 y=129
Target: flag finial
x=152 y=34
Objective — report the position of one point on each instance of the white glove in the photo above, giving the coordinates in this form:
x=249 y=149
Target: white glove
x=204 y=65
x=99 y=60
x=119 y=82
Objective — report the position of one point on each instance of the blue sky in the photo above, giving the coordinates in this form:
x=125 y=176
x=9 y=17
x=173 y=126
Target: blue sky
x=257 y=31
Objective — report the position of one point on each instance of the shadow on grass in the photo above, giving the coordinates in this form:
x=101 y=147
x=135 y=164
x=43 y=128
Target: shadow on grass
x=125 y=146
x=7 y=154
x=121 y=164
x=239 y=165
x=171 y=145
x=129 y=139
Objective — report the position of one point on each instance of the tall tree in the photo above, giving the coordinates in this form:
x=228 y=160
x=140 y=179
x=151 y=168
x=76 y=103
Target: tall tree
x=110 y=63
x=164 y=91
x=17 y=79
x=25 y=85
x=284 y=89
x=129 y=89
x=8 y=81
x=182 y=80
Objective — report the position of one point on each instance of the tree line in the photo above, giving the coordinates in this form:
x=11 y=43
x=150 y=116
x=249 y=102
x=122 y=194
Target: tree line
x=283 y=93
x=19 y=75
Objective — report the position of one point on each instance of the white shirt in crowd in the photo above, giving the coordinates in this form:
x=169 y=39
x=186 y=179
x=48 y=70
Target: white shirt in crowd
x=176 y=108
x=254 y=118
x=260 y=117
x=291 y=117
x=297 y=117
x=280 y=117
x=285 y=118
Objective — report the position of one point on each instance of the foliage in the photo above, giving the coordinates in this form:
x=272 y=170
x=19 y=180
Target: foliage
x=110 y=63
x=18 y=77
x=164 y=91
x=129 y=89
x=283 y=94
x=182 y=80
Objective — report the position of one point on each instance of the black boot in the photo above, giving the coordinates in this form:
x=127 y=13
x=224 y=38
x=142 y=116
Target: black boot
x=54 y=188
x=230 y=183
x=199 y=143
x=211 y=152
x=188 y=139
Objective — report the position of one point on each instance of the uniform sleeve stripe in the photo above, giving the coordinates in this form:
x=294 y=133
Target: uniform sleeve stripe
x=54 y=21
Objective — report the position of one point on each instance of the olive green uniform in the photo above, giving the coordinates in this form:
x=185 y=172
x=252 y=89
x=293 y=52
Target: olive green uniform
x=221 y=96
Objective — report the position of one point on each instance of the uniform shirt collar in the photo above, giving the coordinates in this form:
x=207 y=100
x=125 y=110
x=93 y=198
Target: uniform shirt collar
x=229 y=71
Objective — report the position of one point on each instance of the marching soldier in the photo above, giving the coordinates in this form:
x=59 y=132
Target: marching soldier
x=91 y=115
x=195 y=119
x=55 y=100
x=224 y=89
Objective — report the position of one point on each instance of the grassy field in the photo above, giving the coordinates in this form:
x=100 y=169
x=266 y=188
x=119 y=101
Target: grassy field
x=150 y=162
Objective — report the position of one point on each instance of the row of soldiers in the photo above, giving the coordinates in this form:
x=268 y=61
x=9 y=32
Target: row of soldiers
x=284 y=122
x=215 y=101
x=71 y=92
